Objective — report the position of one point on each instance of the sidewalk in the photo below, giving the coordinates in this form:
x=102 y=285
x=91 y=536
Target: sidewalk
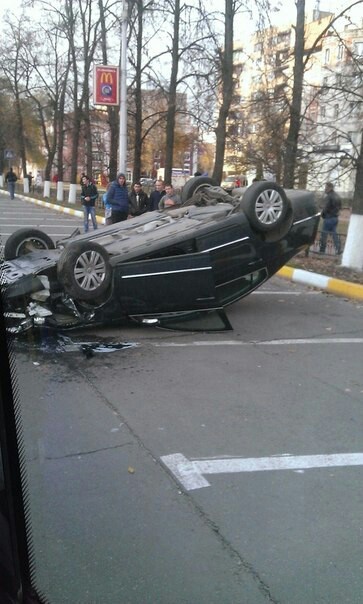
x=338 y=287
x=328 y=284
x=66 y=208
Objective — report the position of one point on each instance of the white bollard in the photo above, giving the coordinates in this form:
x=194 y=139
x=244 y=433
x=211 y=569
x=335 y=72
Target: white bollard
x=72 y=193
x=60 y=191
x=47 y=189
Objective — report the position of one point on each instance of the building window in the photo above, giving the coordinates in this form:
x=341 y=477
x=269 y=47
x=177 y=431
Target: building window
x=327 y=56
x=358 y=49
x=322 y=111
x=96 y=137
x=336 y=110
x=340 y=52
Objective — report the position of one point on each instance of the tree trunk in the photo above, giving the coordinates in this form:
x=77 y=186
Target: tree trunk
x=227 y=90
x=20 y=136
x=295 y=109
x=60 y=128
x=170 y=116
x=353 y=250
x=137 y=93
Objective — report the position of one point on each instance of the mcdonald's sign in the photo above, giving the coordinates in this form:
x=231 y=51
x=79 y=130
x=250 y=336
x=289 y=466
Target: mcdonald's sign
x=106 y=85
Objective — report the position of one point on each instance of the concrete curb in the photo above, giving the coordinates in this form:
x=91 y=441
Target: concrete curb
x=59 y=208
x=328 y=284
x=297 y=275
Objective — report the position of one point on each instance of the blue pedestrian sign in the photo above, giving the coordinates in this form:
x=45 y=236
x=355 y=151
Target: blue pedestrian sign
x=9 y=154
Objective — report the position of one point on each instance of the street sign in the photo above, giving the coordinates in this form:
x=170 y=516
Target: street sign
x=106 y=85
x=9 y=154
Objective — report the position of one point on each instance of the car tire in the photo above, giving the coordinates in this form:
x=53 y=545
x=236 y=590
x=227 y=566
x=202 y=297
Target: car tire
x=84 y=270
x=194 y=185
x=266 y=206
x=24 y=241
x=279 y=232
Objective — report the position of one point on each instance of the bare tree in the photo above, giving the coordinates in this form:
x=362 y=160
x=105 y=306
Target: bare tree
x=227 y=85
x=112 y=111
x=47 y=88
x=15 y=73
x=171 y=111
x=291 y=144
x=138 y=17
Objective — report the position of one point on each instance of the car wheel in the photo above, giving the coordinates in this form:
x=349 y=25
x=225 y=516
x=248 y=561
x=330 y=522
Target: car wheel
x=25 y=241
x=196 y=184
x=84 y=270
x=279 y=232
x=266 y=205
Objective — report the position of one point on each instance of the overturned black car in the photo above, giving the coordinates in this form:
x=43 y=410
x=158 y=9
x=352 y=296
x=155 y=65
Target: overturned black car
x=178 y=268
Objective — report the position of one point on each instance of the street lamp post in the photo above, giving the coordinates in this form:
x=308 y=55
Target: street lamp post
x=123 y=91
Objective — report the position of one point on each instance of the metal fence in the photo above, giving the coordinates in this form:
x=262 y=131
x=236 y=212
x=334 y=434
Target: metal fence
x=330 y=247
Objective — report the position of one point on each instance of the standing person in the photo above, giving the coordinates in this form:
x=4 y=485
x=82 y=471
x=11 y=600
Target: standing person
x=89 y=195
x=118 y=198
x=156 y=195
x=138 y=200
x=107 y=206
x=330 y=215
x=11 y=179
x=170 y=199
x=38 y=182
x=30 y=179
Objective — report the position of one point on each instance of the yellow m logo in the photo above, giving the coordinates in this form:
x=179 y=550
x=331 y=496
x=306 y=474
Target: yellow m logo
x=106 y=78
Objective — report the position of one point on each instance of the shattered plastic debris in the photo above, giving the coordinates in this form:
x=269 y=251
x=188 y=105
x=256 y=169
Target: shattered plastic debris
x=89 y=349
x=59 y=344
x=43 y=294
x=40 y=311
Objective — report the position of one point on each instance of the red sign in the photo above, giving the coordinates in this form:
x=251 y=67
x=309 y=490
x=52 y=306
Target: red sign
x=106 y=85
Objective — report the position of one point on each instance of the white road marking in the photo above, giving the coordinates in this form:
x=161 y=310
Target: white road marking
x=190 y=473
x=288 y=342
x=265 y=292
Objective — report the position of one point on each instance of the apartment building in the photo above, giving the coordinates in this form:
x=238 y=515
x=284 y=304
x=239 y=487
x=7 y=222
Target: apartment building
x=331 y=134
x=332 y=107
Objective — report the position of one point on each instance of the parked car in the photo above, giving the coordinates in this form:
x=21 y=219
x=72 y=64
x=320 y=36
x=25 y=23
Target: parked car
x=179 y=268
x=146 y=181
x=232 y=182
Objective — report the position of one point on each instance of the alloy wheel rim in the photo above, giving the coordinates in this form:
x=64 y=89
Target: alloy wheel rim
x=269 y=206
x=89 y=270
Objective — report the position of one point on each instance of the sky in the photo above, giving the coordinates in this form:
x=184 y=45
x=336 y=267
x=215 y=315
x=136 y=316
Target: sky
x=286 y=12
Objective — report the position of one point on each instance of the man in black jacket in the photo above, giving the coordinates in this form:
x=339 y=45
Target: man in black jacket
x=11 y=179
x=138 y=200
x=330 y=215
x=89 y=195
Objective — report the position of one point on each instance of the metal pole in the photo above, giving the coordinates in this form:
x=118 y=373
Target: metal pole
x=123 y=92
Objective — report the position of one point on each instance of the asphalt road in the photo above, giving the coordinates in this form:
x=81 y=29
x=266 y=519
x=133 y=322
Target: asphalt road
x=17 y=213
x=156 y=471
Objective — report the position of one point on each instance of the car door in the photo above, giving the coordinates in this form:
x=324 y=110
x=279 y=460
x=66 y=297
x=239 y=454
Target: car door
x=237 y=265
x=166 y=285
